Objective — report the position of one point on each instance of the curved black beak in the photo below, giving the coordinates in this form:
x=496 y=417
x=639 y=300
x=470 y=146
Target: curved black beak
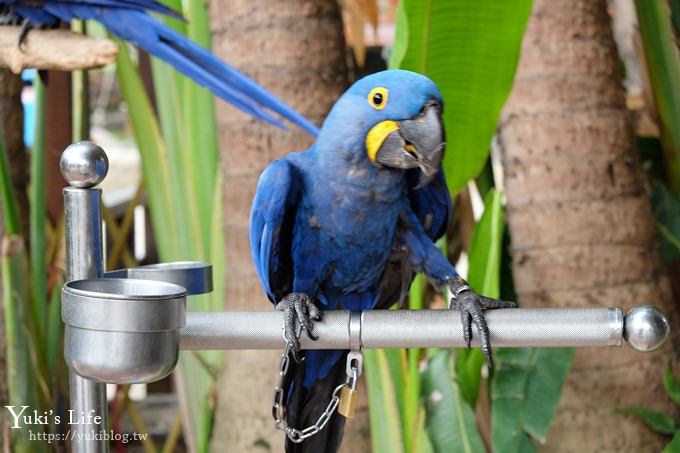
x=414 y=143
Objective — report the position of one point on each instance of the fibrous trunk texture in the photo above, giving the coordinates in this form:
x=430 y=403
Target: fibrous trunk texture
x=579 y=216
x=295 y=48
x=12 y=122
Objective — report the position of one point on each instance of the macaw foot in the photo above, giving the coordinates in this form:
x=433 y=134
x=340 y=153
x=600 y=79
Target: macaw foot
x=26 y=26
x=7 y=18
x=471 y=306
x=299 y=313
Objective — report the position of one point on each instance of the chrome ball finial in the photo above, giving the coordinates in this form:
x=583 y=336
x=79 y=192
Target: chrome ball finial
x=84 y=165
x=645 y=328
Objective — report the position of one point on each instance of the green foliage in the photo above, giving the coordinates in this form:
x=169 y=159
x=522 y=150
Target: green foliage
x=470 y=49
x=674 y=445
x=10 y=205
x=180 y=170
x=658 y=421
x=386 y=435
x=25 y=308
x=451 y=422
x=484 y=277
x=671 y=385
x=663 y=66
x=525 y=391
x=666 y=210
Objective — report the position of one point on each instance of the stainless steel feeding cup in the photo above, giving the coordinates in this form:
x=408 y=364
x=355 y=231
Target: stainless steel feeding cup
x=122 y=331
x=195 y=276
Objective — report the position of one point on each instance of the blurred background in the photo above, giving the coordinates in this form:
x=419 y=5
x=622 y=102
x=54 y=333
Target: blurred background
x=563 y=162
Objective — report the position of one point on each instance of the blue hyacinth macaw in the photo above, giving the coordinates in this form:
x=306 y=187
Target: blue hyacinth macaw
x=347 y=223
x=130 y=20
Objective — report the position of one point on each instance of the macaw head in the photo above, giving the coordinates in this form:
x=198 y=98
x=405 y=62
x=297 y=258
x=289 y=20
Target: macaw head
x=391 y=119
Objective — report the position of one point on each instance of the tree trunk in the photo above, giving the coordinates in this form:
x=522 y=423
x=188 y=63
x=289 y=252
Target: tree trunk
x=295 y=48
x=12 y=121
x=579 y=216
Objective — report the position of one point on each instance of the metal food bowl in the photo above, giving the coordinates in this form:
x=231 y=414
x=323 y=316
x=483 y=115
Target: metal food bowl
x=122 y=331
x=195 y=276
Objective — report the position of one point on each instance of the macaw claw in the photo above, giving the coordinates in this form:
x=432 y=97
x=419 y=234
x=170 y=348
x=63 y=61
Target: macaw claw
x=471 y=307
x=299 y=313
x=26 y=26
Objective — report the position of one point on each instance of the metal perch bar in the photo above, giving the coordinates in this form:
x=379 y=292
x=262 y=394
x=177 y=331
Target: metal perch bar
x=545 y=327
x=54 y=49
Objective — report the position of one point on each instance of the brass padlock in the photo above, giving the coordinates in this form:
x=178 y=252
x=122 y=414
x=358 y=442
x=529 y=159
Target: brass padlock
x=348 y=402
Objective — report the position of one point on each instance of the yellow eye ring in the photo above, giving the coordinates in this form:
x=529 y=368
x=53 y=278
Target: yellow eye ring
x=377 y=98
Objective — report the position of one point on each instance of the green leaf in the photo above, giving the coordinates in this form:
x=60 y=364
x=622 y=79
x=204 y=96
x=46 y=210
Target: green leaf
x=37 y=217
x=470 y=49
x=663 y=67
x=155 y=169
x=451 y=421
x=185 y=203
x=384 y=418
x=10 y=205
x=400 y=44
x=674 y=445
x=526 y=445
x=202 y=151
x=421 y=441
x=485 y=247
x=672 y=385
x=525 y=392
x=484 y=277
x=411 y=385
x=54 y=332
x=542 y=394
x=21 y=381
x=657 y=421
x=666 y=210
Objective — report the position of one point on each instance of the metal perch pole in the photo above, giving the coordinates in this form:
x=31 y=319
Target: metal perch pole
x=644 y=328
x=140 y=314
x=84 y=167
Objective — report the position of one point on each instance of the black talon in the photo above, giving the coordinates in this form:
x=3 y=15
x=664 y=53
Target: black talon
x=26 y=26
x=299 y=313
x=467 y=327
x=471 y=307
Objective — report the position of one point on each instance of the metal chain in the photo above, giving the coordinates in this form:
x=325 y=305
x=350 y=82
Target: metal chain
x=278 y=408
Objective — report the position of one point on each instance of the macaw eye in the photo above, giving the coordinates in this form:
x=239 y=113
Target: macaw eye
x=377 y=98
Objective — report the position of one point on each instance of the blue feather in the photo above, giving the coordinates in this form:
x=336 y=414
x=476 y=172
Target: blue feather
x=128 y=20
x=337 y=215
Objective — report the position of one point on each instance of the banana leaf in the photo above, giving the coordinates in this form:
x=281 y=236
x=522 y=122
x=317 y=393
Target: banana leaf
x=663 y=66
x=484 y=277
x=451 y=423
x=525 y=392
x=21 y=382
x=386 y=435
x=470 y=49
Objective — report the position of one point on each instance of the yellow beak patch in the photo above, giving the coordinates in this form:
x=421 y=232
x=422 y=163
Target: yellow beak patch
x=377 y=135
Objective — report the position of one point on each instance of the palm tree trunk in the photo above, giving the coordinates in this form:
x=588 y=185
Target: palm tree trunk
x=296 y=49
x=581 y=226
x=12 y=122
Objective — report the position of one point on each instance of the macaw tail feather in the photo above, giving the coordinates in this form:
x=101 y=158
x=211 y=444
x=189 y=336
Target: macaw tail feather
x=130 y=22
x=306 y=404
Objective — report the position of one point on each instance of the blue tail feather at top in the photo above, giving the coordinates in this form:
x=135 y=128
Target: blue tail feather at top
x=128 y=20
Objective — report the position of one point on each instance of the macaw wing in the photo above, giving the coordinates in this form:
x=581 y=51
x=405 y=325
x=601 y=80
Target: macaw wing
x=431 y=203
x=432 y=206
x=128 y=20
x=271 y=227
